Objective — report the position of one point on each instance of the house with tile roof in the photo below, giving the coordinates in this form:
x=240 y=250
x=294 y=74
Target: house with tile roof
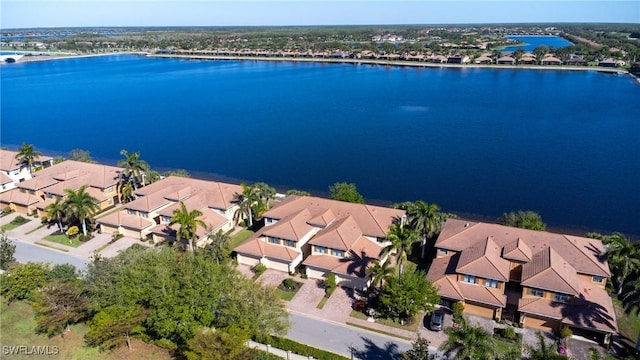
x=319 y=236
x=12 y=171
x=542 y=280
x=149 y=215
x=33 y=195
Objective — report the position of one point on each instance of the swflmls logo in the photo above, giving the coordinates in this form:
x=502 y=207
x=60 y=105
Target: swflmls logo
x=30 y=350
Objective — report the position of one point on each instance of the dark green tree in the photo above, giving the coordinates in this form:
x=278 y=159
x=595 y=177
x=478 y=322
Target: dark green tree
x=81 y=205
x=524 y=220
x=65 y=272
x=419 y=350
x=7 y=252
x=223 y=344
x=58 y=304
x=217 y=247
x=134 y=169
x=114 y=325
x=21 y=280
x=378 y=273
x=401 y=243
x=81 y=155
x=405 y=296
x=343 y=191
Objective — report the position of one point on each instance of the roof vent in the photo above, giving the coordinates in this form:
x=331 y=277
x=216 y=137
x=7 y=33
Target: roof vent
x=466 y=224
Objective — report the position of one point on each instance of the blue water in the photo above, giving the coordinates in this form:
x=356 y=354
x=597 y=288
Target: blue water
x=533 y=41
x=484 y=141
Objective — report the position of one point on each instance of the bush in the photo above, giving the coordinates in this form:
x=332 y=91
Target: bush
x=304 y=276
x=565 y=332
x=359 y=305
x=458 y=309
x=330 y=283
x=165 y=344
x=116 y=236
x=298 y=348
x=72 y=231
x=509 y=333
x=289 y=283
x=19 y=220
x=259 y=269
x=6 y=211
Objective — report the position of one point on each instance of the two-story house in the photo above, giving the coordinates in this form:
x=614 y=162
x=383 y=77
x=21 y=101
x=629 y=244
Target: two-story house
x=149 y=215
x=13 y=172
x=320 y=236
x=540 y=279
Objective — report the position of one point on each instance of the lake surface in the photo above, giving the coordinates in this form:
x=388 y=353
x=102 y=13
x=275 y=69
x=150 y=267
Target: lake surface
x=533 y=41
x=474 y=140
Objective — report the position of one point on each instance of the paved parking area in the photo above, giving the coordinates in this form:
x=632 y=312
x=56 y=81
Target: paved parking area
x=273 y=277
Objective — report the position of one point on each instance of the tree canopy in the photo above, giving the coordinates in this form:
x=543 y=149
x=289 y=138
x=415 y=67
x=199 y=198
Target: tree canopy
x=348 y=192
x=403 y=297
x=524 y=220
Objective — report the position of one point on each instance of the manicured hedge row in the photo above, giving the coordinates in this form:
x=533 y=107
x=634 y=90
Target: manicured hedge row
x=298 y=348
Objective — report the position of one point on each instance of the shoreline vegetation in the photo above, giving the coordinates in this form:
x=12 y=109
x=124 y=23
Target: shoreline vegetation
x=399 y=63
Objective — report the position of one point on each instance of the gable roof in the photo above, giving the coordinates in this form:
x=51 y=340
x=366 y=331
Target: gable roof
x=517 y=250
x=82 y=173
x=548 y=270
x=340 y=235
x=293 y=227
x=483 y=259
x=373 y=221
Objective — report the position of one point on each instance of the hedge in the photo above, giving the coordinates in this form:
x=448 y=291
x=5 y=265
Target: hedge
x=300 y=349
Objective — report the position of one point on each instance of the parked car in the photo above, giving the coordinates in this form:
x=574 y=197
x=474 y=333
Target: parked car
x=437 y=319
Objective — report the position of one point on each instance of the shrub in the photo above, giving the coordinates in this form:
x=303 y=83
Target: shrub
x=510 y=333
x=73 y=231
x=359 y=305
x=458 y=308
x=165 y=344
x=298 y=348
x=116 y=236
x=304 y=276
x=289 y=283
x=330 y=283
x=565 y=332
x=6 y=211
x=19 y=220
x=259 y=269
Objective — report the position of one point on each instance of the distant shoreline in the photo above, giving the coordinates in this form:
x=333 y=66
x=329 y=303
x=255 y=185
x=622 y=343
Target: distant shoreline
x=400 y=63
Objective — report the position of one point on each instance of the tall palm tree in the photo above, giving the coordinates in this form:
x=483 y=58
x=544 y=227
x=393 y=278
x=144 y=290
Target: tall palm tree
x=246 y=202
x=265 y=195
x=544 y=351
x=27 y=155
x=425 y=218
x=188 y=223
x=134 y=168
x=402 y=240
x=378 y=274
x=81 y=205
x=56 y=210
x=623 y=257
x=631 y=297
x=468 y=342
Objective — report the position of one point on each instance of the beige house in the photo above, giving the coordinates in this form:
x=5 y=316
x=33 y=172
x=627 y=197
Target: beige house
x=150 y=214
x=541 y=279
x=12 y=171
x=320 y=236
x=33 y=195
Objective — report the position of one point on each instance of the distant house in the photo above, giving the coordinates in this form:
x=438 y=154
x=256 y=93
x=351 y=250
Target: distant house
x=367 y=54
x=576 y=60
x=319 y=236
x=458 y=59
x=32 y=196
x=150 y=214
x=12 y=171
x=506 y=60
x=438 y=59
x=527 y=60
x=550 y=60
x=608 y=63
x=542 y=280
x=484 y=59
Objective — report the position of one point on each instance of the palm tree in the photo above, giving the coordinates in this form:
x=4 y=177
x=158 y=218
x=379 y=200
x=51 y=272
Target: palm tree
x=56 y=210
x=265 y=195
x=126 y=192
x=134 y=168
x=425 y=218
x=631 y=297
x=402 y=240
x=81 y=205
x=623 y=257
x=188 y=222
x=468 y=342
x=246 y=202
x=378 y=274
x=218 y=246
x=27 y=155
x=544 y=351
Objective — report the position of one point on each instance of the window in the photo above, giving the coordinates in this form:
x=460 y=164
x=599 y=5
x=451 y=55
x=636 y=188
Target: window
x=165 y=219
x=110 y=201
x=443 y=251
x=109 y=189
x=537 y=292
x=321 y=249
x=274 y=240
x=335 y=252
x=144 y=214
x=131 y=212
x=491 y=283
x=560 y=297
x=470 y=279
x=597 y=278
x=289 y=243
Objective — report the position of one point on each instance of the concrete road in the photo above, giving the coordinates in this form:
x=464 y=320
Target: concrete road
x=340 y=338
x=27 y=252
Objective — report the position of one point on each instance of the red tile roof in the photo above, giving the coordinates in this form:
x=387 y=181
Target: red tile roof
x=483 y=259
x=548 y=270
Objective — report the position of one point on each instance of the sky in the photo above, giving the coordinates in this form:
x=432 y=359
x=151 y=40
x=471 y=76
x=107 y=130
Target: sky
x=87 y=13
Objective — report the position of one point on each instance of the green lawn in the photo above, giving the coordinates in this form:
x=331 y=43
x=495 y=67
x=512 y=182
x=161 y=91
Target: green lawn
x=322 y=302
x=63 y=239
x=240 y=237
x=17 y=327
x=502 y=347
x=628 y=324
x=288 y=294
x=15 y=223
x=410 y=325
